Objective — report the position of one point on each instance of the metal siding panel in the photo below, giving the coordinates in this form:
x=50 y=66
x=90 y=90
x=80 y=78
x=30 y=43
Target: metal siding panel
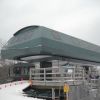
x=53 y=42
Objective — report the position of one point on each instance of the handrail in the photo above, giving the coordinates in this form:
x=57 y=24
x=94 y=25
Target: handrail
x=56 y=74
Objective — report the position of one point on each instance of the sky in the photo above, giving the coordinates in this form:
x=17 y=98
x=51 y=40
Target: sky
x=78 y=18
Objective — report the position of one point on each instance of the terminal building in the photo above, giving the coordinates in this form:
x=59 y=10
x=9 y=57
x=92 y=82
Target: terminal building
x=57 y=59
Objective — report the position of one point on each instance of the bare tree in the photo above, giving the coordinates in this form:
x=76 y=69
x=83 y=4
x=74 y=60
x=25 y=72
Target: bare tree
x=2 y=43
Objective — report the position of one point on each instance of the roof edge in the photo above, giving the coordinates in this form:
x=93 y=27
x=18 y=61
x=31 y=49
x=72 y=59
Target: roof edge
x=25 y=28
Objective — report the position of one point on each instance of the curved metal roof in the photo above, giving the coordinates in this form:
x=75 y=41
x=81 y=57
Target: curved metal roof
x=38 y=40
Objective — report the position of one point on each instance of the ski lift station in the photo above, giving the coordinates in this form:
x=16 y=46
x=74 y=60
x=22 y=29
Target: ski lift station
x=62 y=64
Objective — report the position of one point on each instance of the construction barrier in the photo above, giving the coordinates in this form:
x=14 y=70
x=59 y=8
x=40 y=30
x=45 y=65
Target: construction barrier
x=2 y=86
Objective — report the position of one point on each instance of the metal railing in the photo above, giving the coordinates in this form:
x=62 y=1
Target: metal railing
x=93 y=83
x=57 y=75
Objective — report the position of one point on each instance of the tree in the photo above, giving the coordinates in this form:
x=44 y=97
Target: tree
x=2 y=43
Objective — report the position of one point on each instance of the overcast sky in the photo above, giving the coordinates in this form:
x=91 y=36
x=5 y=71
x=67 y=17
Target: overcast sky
x=79 y=18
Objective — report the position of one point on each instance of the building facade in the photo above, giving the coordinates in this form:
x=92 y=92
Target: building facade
x=58 y=59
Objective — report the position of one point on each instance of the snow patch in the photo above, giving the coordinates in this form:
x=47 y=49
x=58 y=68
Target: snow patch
x=14 y=92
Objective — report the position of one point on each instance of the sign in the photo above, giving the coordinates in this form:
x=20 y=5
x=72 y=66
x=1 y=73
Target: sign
x=66 y=88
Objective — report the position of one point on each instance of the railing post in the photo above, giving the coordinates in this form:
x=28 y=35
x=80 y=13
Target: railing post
x=61 y=75
x=30 y=77
x=44 y=75
x=83 y=75
x=74 y=74
x=53 y=94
